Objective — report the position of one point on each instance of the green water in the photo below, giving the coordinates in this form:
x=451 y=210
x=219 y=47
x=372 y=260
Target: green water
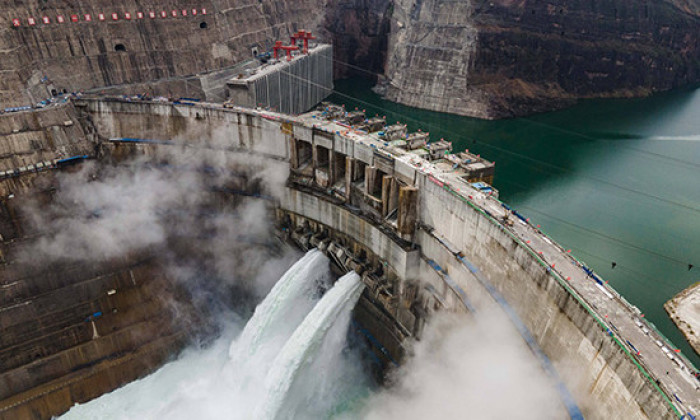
x=614 y=180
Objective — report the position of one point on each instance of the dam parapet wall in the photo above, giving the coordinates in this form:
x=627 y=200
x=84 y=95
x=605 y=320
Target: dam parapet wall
x=423 y=221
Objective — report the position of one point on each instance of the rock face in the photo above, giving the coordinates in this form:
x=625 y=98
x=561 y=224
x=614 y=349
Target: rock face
x=506 y=58
x=359 y=31
x=487 y=59
x=74 y=330
x=36 y=59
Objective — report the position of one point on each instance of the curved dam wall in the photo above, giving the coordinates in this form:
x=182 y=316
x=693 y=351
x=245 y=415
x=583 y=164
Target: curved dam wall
x=586 y=358
x=426 y=227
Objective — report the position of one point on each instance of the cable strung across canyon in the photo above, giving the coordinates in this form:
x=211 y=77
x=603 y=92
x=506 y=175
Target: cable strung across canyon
x=502 y=150
x=587 y=137
x=596 y=233
x=530 y=120
x=545 y=164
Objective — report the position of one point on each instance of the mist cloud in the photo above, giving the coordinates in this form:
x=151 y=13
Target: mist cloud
x=468 y=369
x=124 y=210
x=181 y=204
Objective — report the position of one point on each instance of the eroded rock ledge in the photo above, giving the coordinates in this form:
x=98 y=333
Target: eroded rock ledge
x=684 y=310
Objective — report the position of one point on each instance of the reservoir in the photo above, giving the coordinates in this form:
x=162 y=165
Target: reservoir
x=617 y=181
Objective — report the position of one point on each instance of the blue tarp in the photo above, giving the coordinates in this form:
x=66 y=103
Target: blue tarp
x=72 y=159
x=18 y=108
x=135 y=140
x=520 y=216
x=481 y=186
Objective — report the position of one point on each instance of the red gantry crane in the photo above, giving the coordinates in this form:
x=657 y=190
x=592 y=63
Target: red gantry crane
x=304 y=35
x=276 y=48
x=289 y=49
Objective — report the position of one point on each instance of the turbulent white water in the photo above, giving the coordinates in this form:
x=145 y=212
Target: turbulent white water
x=293 y=361
x=228 y=379
x=302 y=348
x=275 y=319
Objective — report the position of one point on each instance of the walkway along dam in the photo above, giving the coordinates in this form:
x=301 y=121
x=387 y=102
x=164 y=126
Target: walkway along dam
x=421 y=236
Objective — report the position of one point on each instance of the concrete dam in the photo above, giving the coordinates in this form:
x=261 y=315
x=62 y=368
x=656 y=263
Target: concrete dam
x=406 y=215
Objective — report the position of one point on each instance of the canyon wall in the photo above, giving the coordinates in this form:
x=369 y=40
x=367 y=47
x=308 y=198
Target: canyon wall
x=486 y=59
x=359 y=31
x=132 y=49
x=29 y=138
x=88 y=300
x=507 y=58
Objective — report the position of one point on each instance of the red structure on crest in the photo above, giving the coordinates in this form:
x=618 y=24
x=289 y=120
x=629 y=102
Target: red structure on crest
x=289 y=49
x=304 y=35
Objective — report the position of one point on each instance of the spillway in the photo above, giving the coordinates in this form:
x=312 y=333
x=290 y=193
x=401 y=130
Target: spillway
x=276 y=317
x=302 y=347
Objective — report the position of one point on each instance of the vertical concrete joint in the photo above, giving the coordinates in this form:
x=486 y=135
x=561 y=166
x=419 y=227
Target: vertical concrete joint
x=393 y=195
x=349 y=165
x=370 y=174
x=294 y=153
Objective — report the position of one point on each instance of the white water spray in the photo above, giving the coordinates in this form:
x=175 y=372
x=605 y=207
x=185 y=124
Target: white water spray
x=303 y=345
x=228 y=379
x=275 y=319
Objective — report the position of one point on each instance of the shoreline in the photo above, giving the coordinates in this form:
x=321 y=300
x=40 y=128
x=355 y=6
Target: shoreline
x=684 y=311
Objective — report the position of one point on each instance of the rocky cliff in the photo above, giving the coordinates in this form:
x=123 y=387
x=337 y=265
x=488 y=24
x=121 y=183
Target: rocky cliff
x=487 y=59
x=359 y=31
x=506 y=58
x=77 y=50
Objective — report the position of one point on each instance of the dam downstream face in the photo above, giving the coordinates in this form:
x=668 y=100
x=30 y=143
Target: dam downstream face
x=556 y=169
x=310 y=218
x=166 y=205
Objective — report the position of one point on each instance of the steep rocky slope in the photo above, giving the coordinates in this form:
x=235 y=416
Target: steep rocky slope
x=36 y=59
x=505 y=58
x=359 y=31
x=488 y=59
